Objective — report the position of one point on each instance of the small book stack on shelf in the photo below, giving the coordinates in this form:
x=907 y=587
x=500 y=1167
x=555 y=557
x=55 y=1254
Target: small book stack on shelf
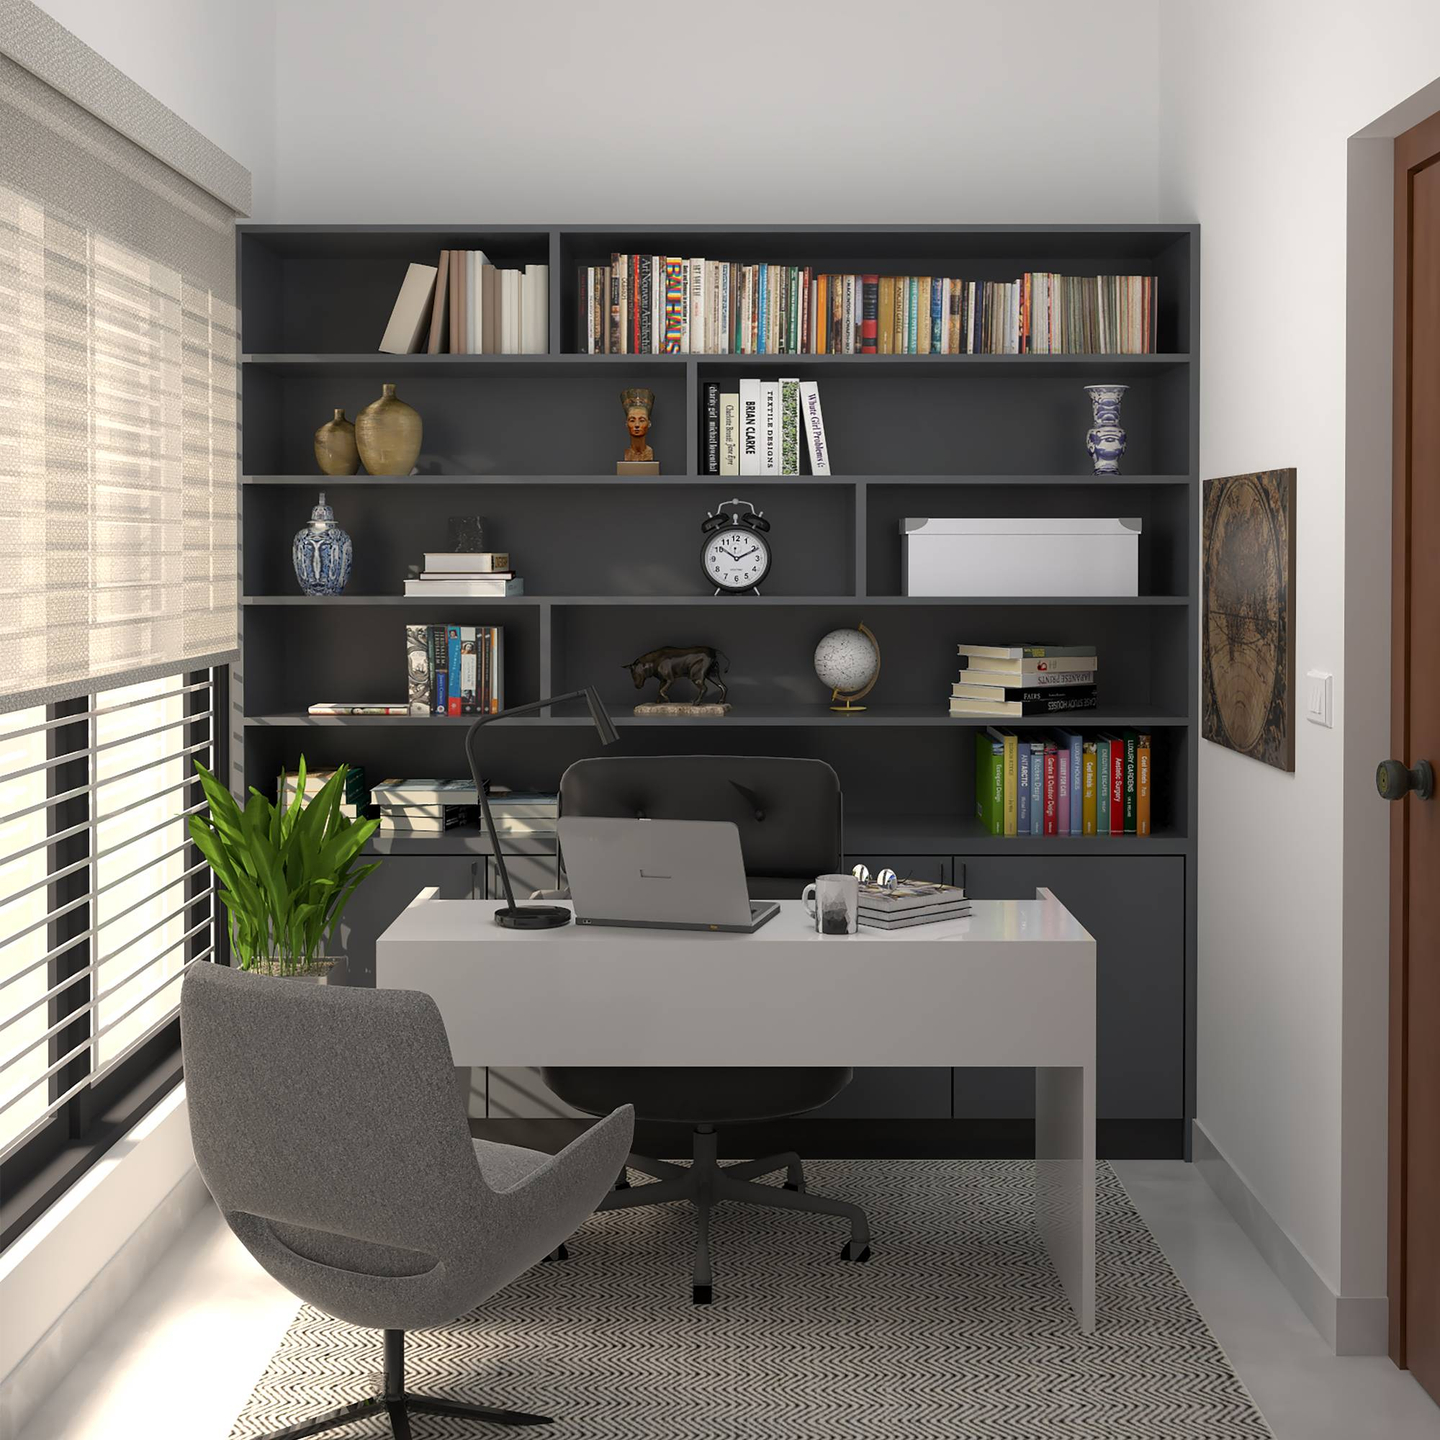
x=528 y=814
x=753 y=427
x=669 y=304
x=910 y=902
x=464 y=574
x=424 y=807
x=455 y=669
x=1059 y=782
x=467 y=306
x=1017 y=681
x=354 y=805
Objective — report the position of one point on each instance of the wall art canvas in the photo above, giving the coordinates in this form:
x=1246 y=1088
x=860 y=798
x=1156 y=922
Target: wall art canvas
x=1247 y=679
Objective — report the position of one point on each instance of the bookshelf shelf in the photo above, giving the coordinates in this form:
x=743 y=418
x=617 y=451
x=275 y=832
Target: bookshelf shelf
x=611 y=565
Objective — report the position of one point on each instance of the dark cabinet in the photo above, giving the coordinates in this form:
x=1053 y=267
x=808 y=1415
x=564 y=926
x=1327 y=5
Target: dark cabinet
x=383 y=895
x=1135 y=908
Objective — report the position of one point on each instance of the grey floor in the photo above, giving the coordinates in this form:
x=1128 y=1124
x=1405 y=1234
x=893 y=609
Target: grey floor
x=180 y=1360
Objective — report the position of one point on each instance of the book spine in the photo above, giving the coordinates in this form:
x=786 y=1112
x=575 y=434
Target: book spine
x=438 y=660
x=885 y=315
x=1011 y=781
x=1037 y=789
x=847 y=316
x=1142 y=784
x=647 y=307
x=1051 y=761
x=990 y=782
x=769 y=427
x=1117 y=785
x=1131 y=747
x=749 y=427
x=674 y=290
x=1087 y=790
x=712 y=427
x=417 y=669
x=615 y=344
x=822 y=312
x=1062 y=790
x=1077 y=797
x=937 y=314
x=730 y=433
x=454 y=700
x=584 y=301
x=789 y=426
x=697 y=306
x=814 y=422
x=762 y=306
x=1022 y=790
x=469 y=657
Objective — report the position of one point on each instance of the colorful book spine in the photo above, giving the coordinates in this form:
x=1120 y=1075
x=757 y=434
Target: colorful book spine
x=1008 y=777
x=1037 y=787
x=1131 y=748
x=453 y=699
x=417 y=669
x=646 y=287
x=1051 y=762
x=1074 y=743
x=1142 y=784
x=1117 y=785
x=789 y=426
x=937 y=314
x=1062 y=789
x=990 y=782
x=869 y=314
x=762 y=307
x=1088 y=781
x=439 y=663
x=1022 y=790
x=469 y=671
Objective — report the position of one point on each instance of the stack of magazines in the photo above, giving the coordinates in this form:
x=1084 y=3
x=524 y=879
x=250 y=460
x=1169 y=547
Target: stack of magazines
x=910 y=902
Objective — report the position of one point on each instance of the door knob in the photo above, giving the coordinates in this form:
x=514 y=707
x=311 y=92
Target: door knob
x=1394 y=781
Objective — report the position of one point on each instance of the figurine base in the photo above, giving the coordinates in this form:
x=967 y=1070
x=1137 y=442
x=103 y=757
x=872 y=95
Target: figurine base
x=683 y=708
x=637 y=467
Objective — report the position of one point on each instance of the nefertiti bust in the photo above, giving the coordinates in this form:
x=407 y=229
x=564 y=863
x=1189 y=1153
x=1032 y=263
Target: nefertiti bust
x=638 y=404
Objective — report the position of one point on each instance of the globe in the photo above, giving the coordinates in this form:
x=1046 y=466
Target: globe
x=847 y=660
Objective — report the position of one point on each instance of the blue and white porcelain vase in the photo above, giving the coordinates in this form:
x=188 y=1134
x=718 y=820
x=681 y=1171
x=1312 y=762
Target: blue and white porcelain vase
x=1105 y=439
x=322 y=553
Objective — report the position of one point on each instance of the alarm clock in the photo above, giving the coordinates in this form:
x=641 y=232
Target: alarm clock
x=735 y=555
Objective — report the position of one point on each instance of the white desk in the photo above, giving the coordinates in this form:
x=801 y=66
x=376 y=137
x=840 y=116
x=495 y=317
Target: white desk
x=1014 y=984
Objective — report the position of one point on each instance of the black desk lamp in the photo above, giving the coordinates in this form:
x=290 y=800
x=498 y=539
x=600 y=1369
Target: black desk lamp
x=530 y=917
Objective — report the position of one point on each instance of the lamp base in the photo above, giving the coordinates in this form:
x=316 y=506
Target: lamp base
x=533 y=917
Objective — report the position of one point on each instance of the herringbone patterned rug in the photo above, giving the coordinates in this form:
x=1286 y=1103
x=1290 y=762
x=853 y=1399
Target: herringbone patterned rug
x=956 y=1328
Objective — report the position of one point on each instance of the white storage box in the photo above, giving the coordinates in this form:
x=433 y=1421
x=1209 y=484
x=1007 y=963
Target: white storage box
x=1024 y=556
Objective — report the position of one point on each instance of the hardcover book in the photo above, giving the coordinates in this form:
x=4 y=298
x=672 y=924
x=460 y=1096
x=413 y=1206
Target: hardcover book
x=730 y=432
x=417 y=668
x=789 y=426
x=711 y=438
x=769 y=427
x=410 y=317
x=813 y=422
x=750 y=427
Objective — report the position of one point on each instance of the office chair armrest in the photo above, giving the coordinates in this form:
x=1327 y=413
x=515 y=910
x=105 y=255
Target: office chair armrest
x=550 y=894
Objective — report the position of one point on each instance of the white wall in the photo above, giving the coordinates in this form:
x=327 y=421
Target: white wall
x=753 y=110
x=1260 y=100
x=211 y=61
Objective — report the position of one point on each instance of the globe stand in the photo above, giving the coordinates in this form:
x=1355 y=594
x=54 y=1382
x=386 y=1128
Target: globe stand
x=850 y=697
x=849 y=707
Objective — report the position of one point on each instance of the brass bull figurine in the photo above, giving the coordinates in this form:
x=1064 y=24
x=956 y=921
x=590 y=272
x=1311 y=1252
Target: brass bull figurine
x=699 y=664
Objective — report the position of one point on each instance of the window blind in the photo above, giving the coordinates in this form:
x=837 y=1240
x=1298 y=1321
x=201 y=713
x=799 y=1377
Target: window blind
x=118 y=407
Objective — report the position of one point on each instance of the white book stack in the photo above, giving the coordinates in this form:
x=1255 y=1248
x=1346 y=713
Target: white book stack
x=465 y=574
x=911 y=902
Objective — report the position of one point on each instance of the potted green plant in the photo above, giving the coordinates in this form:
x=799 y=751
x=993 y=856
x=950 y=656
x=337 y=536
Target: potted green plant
x=286 y=872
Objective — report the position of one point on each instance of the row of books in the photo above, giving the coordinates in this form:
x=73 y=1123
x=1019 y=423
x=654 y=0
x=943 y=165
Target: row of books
x=910 y=902
x=467 y=306
x=669 y=304
x=455 y=669
x=753 y=427
x=1059 y=782
x=356 y=801
x=1018 y=681
x=433 y=807
x=464 y=574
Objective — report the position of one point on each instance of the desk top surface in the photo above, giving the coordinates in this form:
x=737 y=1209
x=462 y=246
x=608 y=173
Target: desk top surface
x=467 y=922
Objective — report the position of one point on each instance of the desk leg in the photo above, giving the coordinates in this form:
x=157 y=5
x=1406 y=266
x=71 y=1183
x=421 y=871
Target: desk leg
x=1065 y=1180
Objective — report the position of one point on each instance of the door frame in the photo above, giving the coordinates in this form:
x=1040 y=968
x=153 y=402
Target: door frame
x=1412 y=149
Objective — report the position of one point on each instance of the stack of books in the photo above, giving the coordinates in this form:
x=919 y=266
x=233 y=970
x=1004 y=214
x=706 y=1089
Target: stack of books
x=467 y=306
x=354 y=805
x=465 y=574
x=527 y=814
x=753 y=427
x=667 y=304
x=455 y=669
x=910 y=902
x=1017 y=681
x=1060 y=782
x=424 y=807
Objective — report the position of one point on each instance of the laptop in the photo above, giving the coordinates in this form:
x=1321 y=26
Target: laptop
x=659 y=874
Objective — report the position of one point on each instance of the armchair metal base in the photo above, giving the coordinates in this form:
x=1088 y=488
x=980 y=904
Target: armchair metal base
x=399 y=1404
x=705 y=1180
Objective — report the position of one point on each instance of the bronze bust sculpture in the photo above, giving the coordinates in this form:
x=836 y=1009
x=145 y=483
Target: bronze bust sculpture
x=638 y=404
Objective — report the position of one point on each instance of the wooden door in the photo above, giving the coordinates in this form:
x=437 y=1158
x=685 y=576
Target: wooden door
x=1415 y=737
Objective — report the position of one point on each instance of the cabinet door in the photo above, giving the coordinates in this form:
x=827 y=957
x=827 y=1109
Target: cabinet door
x=895 y=1092
x=383 y=895
x=1134 y=906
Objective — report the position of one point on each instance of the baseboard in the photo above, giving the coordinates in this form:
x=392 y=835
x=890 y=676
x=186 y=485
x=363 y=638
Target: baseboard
x=859 y=1139
x=1349 y=1324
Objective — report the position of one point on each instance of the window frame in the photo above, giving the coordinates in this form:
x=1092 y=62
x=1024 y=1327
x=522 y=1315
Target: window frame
x=49 y=1161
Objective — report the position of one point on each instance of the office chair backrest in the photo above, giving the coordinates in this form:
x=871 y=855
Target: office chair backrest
x=328 y=1126
x=787 y=809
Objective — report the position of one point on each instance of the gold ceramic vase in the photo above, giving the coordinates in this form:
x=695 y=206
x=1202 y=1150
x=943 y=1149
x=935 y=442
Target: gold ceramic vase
x=387 y=432
x=335 y=449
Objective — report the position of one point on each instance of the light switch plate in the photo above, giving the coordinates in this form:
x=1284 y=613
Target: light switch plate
x=1319 y=697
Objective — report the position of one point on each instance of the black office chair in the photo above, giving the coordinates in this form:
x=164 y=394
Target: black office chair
x=788 y=813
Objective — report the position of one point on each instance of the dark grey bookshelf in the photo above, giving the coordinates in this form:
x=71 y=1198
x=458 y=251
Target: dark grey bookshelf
x=611 y=567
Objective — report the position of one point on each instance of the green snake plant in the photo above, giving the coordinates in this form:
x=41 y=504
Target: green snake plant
x=286 y=871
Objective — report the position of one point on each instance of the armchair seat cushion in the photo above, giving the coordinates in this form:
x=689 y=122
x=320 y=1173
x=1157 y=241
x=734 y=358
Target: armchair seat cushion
x=505 y=1166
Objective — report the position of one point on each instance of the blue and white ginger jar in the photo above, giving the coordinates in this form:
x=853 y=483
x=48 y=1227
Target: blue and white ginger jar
x=1105 y=439
x=322 y=553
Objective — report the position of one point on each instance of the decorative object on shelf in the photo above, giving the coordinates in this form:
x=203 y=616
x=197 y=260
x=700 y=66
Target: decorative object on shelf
x=388 y=434
x=528 y=917
x=322 y=553
x=335 y=450
x=699 y=664
x=1105 y=439
x=285 y=875
x=848 y=661
x=692 y=711
x=1248 y=636
x=833 y=902
x=467 y=533
x=735 y=555
x=639 y=459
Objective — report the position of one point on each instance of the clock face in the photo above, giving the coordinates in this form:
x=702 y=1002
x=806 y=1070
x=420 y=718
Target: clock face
x=736 y=559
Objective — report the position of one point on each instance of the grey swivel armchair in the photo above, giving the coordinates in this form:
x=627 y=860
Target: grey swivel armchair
x=327 y=1126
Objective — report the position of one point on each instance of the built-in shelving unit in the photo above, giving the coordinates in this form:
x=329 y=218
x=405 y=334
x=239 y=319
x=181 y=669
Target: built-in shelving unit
x=611 y=566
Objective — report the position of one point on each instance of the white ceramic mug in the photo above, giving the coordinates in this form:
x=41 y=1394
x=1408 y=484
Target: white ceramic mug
x=833 y=902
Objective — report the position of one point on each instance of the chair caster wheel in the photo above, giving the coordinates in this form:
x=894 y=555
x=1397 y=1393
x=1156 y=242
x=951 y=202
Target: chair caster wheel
x=791 y=1185
x=700 y=1294
x=856 y=1255
x=559 y=1253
